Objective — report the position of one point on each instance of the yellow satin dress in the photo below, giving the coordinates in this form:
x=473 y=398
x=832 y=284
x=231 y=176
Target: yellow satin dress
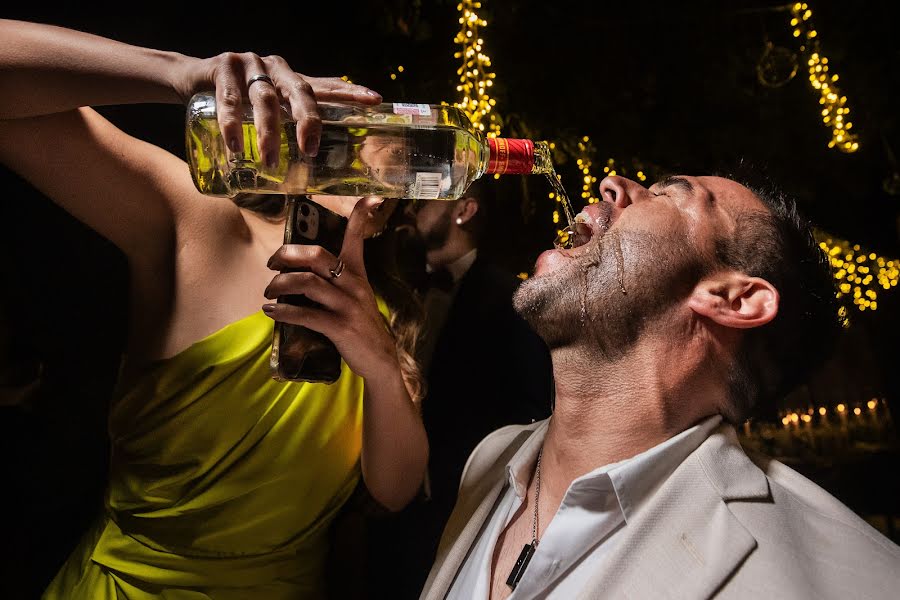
x=223 y=481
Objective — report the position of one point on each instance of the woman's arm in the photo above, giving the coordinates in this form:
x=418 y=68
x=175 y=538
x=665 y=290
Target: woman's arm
x=46 y=69
x=395 y=446
x=134 y=194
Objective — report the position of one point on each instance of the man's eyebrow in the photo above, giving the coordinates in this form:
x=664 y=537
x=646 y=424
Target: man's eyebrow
x=681 y=182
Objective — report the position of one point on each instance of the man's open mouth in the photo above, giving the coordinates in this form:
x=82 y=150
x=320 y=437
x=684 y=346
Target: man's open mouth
x=593 y=221
x=583 y=232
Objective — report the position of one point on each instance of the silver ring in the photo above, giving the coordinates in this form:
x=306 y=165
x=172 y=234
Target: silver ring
x=260 y=77
x=338 y=269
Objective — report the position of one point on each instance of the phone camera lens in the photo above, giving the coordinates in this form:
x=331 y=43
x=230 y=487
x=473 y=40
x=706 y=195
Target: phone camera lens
x=303 y=226
x=304 y=210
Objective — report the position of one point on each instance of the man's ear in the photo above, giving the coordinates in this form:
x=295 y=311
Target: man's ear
x=465 y=210
x=734 y=299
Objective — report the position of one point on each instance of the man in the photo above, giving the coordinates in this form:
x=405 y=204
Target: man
x=684 y=307
x=484 y=368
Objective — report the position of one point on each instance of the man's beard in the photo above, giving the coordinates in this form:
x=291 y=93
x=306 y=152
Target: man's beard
x=436 y=237
x=604 y=299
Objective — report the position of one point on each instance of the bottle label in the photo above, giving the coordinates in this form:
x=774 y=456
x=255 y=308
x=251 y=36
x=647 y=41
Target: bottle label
x=510 y=155
x=427 y=186
x=419 y=110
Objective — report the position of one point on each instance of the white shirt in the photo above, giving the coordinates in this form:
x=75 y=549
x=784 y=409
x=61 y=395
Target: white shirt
x=594 y=511
x=460 y=266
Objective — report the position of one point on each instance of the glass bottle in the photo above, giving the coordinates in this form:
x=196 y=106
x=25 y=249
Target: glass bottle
x=394 y=150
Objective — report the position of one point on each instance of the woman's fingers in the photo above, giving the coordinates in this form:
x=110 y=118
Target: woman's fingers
x=301 y=98
x=263 y=94
x=292 y=257
x=335 y=89
x=229 y=86
x=336 y=313
x=317 y=319
x=368 y=218
x=312 y=286
x=268 y=82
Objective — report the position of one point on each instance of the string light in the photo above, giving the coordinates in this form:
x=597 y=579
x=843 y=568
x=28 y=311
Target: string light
x=861 y=274
x=854 y=271
x=475 y=76
x=585 y=151
x=834 y=105
x=792 y=416
x=395 y=75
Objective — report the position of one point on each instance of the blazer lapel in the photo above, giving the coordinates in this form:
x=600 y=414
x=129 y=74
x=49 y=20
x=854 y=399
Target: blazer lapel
x=451 y=558
x=684 y=542
x=473 y=508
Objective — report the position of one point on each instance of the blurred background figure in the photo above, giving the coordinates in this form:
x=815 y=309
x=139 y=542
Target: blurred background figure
x=484 y=368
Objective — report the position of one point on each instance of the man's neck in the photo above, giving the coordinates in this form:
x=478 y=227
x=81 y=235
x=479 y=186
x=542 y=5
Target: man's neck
x=457 y=246
x=607 y=411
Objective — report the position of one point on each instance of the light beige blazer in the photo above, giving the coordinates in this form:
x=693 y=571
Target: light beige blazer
x=722 y=525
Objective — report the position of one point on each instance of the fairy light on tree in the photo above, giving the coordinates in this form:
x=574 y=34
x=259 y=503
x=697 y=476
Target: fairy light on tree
x=475 y=76
x=834 y=105
x=396 y=73
x=586 y=151
x=861 y=274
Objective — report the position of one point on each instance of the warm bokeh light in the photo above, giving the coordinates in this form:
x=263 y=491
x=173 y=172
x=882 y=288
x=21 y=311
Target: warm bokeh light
x=585 y=152
x=834 y=105
x=475 y=76
x=861 y=274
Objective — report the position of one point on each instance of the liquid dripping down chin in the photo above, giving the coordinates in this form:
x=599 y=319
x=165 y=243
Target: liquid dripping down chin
x=620 y=264
x=584 y=291
x=595 y=259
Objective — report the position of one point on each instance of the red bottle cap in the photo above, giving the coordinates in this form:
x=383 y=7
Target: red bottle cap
x=511 y=156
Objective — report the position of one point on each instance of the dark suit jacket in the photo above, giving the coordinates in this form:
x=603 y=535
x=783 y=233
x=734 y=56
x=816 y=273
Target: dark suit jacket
x=488 y=370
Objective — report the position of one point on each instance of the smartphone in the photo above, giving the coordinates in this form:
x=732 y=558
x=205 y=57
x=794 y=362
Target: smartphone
x=299 y=353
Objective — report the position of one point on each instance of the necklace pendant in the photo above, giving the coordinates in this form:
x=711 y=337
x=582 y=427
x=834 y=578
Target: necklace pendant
x=521 y=563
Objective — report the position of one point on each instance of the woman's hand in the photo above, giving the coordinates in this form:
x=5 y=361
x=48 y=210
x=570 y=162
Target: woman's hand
x=395 y=446
x=347 y=313
x=268 y=82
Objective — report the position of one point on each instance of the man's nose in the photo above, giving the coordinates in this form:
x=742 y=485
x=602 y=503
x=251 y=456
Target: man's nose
x=619 y=190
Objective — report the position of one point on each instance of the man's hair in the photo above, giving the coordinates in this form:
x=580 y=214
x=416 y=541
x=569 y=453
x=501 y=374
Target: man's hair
x=779 y=247
x=268 y=206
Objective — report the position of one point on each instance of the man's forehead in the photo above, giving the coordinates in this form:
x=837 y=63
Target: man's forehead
x=730 y=194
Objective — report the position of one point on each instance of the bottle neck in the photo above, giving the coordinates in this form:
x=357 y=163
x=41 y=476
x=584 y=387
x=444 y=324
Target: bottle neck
x=510 y=156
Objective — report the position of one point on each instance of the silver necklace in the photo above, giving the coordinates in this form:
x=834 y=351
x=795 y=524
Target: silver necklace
x=528 y=549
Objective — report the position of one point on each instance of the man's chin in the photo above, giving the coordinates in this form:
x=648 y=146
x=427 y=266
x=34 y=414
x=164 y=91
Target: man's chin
x=550 y=261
